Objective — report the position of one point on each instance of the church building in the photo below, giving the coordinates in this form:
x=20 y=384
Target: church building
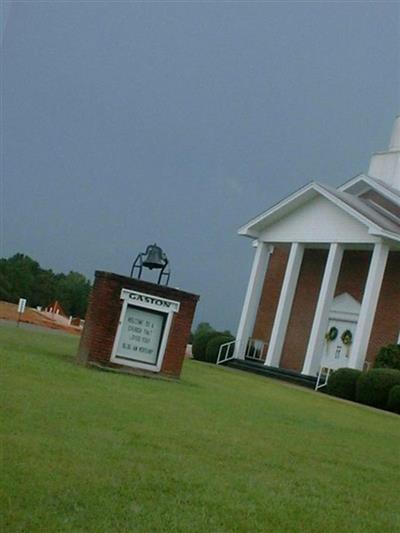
x=324 y=288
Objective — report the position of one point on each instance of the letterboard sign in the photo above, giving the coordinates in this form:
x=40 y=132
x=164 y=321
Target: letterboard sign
x=143 y=330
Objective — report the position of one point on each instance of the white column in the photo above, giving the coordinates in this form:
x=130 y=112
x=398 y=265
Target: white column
x=252 y=298
x=316 y=343
x=368 y=305
x=285 y=305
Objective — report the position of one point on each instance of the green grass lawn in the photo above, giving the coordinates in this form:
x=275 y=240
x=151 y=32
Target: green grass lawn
x=221 y=450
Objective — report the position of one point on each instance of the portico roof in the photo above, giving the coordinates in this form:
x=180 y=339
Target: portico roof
x=377 y=221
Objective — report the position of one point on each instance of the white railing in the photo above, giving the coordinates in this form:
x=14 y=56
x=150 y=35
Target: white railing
x=323 y=376
x=226 y=352
x=256 y=349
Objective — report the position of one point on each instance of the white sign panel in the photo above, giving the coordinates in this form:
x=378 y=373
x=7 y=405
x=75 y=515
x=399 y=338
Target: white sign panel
x=150 y=301
x=21 y=305
x=143 y=330
x=140 y=336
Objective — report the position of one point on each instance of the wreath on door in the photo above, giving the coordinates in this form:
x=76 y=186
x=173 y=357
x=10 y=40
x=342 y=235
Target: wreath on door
x=331 y=334
x=347 y=337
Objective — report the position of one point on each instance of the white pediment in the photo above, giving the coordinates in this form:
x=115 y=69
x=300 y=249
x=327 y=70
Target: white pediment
x=318 y=220
x=345 y=304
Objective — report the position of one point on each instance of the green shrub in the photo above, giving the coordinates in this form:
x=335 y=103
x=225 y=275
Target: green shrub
x=213 y=346
x=373 y=386
x=388 y=357
x=342 y=383
x=394 y=399
x=200 y=342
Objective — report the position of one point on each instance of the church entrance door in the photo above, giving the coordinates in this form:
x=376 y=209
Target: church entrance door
x=343 y=318
x=338 y=349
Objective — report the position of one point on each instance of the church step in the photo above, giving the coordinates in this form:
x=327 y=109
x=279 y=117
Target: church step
x=257 y=367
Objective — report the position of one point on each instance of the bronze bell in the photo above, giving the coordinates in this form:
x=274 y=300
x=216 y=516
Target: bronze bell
x=154 y=257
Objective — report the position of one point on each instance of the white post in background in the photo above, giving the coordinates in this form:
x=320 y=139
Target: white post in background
x=21 y=309
x=252 y=298
x=285 y=305
x=316 y=343
x=368 y=305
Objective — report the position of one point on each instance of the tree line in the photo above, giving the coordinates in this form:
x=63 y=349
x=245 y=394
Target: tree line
x=22 y=277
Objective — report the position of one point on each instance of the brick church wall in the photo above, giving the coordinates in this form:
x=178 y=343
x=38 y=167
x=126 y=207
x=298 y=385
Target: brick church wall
x=353 y=273
x=386 y=326
x=303 y=309
x=270 y=294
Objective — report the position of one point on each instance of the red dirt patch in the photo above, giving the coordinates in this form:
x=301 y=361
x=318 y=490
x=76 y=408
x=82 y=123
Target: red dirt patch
x=9 y=311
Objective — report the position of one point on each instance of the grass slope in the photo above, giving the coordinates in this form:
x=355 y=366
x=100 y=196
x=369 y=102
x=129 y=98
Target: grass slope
x=86 y=450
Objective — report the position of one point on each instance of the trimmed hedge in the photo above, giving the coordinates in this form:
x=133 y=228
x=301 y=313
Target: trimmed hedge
x=394 y=399
x=373 y=387
x=213 y=346
x=200 y=344
x=342 y=383
x=388 y=357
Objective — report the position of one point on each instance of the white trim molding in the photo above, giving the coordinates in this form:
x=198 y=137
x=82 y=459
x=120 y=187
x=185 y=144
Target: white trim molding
x=368 y=306
x=285 y=305
x=321 y=317
x=253 y=295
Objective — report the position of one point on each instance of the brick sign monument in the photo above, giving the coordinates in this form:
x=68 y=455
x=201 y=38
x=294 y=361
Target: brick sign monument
x=136 y=325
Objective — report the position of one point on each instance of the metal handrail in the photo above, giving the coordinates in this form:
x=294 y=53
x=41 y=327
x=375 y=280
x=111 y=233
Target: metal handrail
x=322 y=378
x=222 y=359
x=256 y=349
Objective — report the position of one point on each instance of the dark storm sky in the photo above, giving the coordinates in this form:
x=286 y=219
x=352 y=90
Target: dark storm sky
x=126 y=123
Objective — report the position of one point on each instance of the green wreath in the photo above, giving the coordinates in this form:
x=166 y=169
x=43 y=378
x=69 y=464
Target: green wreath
x=331 y=334
x=347 y=337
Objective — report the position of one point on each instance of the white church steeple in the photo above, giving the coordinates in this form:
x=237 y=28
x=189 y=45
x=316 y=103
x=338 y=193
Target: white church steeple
x=386 y=165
